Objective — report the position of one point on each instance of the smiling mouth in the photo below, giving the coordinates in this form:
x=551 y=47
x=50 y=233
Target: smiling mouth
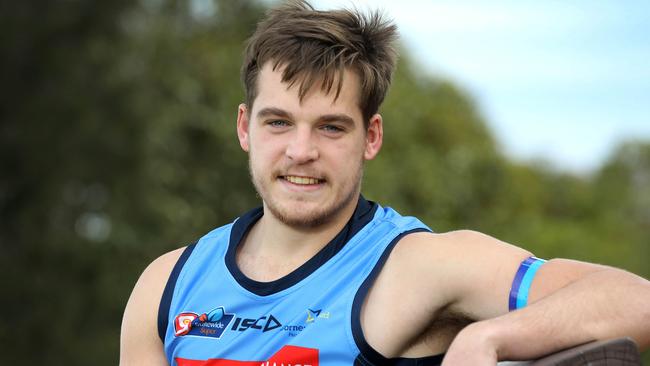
x=302 y=180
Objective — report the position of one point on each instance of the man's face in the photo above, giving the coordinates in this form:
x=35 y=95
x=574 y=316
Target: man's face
x=306 y=158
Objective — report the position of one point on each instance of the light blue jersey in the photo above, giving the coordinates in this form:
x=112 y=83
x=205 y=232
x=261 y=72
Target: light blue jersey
x=212 y=314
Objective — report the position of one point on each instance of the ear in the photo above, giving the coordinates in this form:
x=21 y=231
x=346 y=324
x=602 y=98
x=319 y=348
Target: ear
x=242 y=127
x=374 y=137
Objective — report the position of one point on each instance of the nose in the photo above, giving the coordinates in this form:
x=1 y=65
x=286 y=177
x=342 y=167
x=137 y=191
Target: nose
x=302 y=148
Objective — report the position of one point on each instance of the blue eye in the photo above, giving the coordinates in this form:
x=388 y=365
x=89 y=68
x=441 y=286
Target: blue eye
x=332 y=128
x=278 y=123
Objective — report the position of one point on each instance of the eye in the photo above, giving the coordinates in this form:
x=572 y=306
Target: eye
x=332 y=128
x=277 y=123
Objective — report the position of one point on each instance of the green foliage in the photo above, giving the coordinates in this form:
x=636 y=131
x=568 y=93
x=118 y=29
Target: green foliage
x=117 y=144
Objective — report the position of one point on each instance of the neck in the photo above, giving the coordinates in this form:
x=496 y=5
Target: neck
x=271 y=233
x=282 y=248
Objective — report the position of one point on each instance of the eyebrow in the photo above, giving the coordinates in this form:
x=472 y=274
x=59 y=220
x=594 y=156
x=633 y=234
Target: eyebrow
x=278 y=112
x=272 y=111
x=338 y=117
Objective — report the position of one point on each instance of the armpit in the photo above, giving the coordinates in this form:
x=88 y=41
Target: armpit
x=437 y=337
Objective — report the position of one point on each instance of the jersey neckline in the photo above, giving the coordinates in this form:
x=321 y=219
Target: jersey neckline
x=362 y=215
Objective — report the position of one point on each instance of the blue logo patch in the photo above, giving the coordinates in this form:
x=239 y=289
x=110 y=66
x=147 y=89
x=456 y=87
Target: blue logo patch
x=211 y=324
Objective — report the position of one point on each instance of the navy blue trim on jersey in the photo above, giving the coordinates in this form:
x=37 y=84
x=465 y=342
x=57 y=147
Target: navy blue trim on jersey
x=403 y=361
x=363 y=214
x=369 y=356
x=166 y=299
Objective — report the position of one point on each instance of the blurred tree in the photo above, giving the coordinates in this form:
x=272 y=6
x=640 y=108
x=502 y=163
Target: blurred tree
x=437 y=153
x=117 y=144
x=60 y=156
x=622 y=205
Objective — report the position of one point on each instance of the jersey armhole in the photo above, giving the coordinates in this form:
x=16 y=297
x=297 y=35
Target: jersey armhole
x=168 y=293
x=368 y=355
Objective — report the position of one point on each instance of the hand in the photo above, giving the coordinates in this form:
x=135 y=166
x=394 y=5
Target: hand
x=471 y=347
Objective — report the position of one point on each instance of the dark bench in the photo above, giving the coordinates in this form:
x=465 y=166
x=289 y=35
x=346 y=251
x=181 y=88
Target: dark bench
x=615 y=352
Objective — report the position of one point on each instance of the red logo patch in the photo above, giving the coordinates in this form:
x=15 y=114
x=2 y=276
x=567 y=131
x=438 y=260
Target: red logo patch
x=183 y=323
x=287 y=356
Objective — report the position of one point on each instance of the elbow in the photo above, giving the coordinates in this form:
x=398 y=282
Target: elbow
x=644 y=305
x=634 y=312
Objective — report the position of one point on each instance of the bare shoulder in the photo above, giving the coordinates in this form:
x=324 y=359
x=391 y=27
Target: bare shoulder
x=149 y=287
x=478 y=269
x=139 y=341
x=433 y=276
x=457 y=245
x=468 y=272
x=160 y=268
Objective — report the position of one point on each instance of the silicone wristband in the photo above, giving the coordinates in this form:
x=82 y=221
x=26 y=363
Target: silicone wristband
x=521 y=284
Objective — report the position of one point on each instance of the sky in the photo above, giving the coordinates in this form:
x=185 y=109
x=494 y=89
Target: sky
x=559 y=81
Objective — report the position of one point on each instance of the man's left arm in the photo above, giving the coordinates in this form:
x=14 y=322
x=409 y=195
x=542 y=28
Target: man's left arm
x=570 y=303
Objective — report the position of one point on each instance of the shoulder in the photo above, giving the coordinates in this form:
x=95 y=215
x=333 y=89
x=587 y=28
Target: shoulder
x=462 y=250
x=458 y=269
x=139 y=341
x=154 y=278
x=477 y=269
x=158 y=271
x=428 y=277
x=149 y=287
x=434 y=266
x=454 y=241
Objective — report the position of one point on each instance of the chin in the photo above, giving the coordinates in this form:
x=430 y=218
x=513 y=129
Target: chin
x=304 y=215
x=311 y=211
x=308 y=214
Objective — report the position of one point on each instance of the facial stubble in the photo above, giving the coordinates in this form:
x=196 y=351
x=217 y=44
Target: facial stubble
x=307 y=220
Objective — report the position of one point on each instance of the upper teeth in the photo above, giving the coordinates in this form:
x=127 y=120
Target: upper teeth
x=301 y=180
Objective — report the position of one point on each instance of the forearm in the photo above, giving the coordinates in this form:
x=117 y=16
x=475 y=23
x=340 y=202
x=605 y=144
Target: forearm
x=605 y=304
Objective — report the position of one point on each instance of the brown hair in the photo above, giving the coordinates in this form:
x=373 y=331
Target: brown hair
x=317 y=46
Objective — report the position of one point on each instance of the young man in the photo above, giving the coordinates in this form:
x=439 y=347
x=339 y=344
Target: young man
x=319 y=275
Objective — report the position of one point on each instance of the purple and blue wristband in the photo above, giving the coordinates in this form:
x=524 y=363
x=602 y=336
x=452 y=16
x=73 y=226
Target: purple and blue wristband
x=522 y=282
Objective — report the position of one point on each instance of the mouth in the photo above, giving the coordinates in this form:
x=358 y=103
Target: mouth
x=303 y=181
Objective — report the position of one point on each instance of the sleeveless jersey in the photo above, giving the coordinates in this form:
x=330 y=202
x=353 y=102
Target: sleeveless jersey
x=212 y=314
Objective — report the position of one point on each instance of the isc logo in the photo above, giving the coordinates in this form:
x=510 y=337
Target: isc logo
x=262 y=323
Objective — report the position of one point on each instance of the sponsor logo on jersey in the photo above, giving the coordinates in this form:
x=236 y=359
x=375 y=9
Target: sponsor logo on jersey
x=286 y=356
x=312 y=315
x=210 y=324
x=264 y=323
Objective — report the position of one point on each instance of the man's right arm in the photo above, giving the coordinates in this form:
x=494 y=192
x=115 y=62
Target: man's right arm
x=139 y=341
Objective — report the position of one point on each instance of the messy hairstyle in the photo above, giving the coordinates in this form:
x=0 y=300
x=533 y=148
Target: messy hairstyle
x=318 y=46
